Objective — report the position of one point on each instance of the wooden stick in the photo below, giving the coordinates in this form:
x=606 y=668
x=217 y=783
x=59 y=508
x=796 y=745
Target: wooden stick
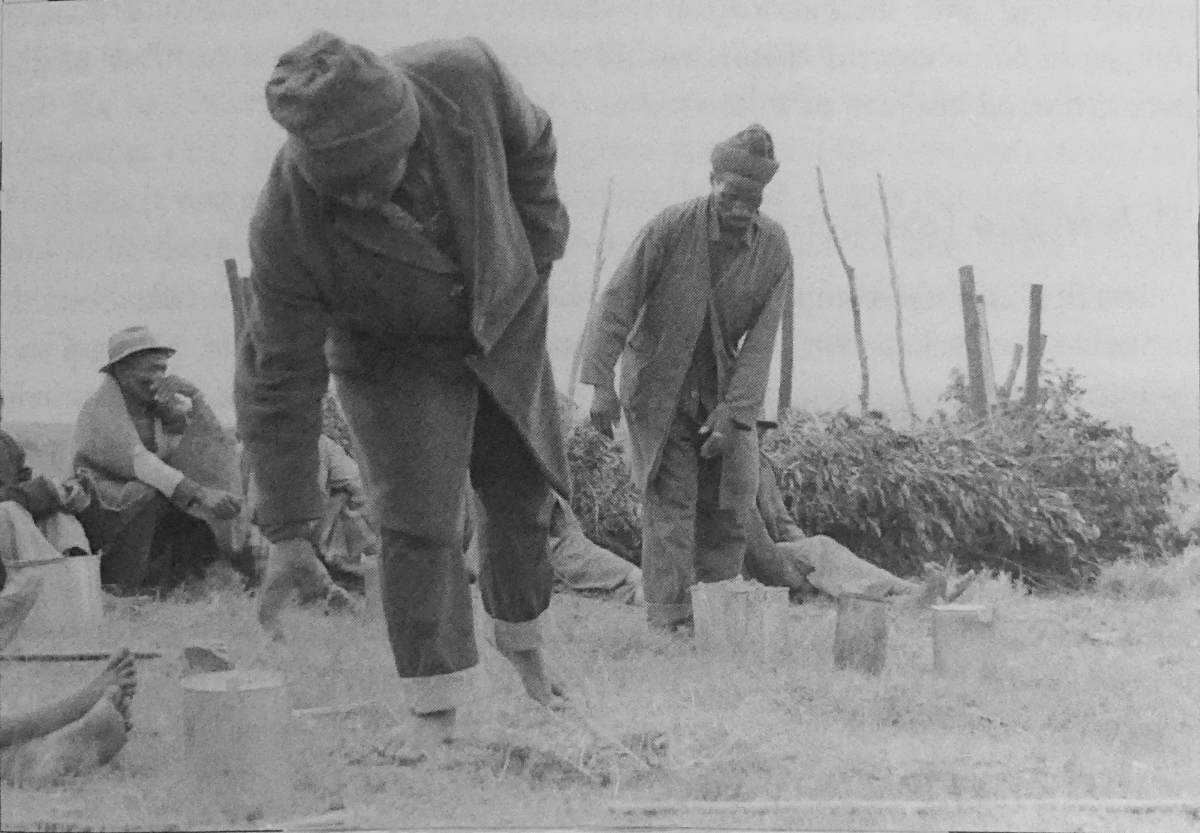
x=985 y=352
x=976 y=395
x=1033 y=346
x=236 y=297
x=73 y=656
x=864 y=394
x=597 y=267
x=1013 y=366
x=887 y=245
x=787 y=344
x=762 y=807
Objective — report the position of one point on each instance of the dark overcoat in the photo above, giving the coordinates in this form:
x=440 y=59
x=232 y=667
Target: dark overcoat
x=318 y=271
x=651 y=315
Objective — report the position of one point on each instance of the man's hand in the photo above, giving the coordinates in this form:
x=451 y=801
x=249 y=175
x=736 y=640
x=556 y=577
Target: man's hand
x=719 y=428
x=606 y=410
x=175 y=384
x=221 y=503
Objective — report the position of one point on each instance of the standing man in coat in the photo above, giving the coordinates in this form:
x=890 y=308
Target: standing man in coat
x=403 y=243
x=692 y=312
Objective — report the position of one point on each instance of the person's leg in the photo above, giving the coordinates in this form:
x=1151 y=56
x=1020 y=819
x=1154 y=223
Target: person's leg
x=120 y=673
x=126 y=542
x=182 y=547
x=65 y=533
x=669 y=529
x=413 y=427
x=720 y=536
x=516 y=578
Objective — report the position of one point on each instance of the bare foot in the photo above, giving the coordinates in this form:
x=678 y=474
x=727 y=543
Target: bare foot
x=538 y=684
x=80 y=748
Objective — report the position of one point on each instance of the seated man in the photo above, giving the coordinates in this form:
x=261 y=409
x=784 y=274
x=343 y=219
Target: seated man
x=69 y=737
x=159 y=464
x=36 y=520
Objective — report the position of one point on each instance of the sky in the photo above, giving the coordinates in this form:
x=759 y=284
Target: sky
x=1051 y=143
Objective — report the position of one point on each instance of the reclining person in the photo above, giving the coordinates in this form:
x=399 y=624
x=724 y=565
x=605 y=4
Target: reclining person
x=153 y=452
x=36 y=512
x=579 y=564
x=72 y=736
x=779 y=554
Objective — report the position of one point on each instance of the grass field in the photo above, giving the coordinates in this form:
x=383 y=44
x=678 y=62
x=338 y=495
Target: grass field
x=1095 y=700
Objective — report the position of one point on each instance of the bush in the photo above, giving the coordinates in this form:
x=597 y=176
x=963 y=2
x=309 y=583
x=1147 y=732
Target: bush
x=1120 y=485
x=1052 y=494
x=899 y=499
x=603 y=495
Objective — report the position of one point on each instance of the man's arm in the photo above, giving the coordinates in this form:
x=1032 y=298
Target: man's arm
x=619 y=306
x=748 y=385
x=532 y=155
x=280 y=379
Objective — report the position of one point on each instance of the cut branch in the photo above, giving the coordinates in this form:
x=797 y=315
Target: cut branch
x=787 y=340
x=864 y=394
x=597 y=267
x=887 y=244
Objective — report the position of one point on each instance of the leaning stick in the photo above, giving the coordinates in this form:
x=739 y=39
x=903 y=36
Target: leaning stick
x=887 y=244
x=598 y=265
x=73 y=656
x=864 y=394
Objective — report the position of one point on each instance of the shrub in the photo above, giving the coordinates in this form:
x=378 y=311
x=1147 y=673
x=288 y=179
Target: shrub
x=1120 y=485
x=899 y=499
x=603 y=495
x=1052 y=494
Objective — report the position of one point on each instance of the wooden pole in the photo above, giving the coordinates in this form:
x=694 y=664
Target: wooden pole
x=1033 y=346
x=598 y=265
x=236 y=297
x=976 y=394
x=1013 y=366
x=865 y=394
x=985 y=352
x=787 y=343
x=887 y=245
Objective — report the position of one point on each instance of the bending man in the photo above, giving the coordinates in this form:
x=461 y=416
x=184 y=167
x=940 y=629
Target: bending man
x=692 y=312
x=413 y=216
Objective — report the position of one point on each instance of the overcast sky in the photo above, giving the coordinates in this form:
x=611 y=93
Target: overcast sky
x=1039 y=142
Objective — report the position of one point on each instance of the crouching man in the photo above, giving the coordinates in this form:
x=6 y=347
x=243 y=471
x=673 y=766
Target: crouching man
x=159 y=465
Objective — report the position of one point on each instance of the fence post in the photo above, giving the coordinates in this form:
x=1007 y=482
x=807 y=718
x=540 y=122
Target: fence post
x=976 y=392
x=1033 y=346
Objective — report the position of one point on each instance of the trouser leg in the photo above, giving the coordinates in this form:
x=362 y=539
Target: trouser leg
x=414 y=428
x=720 y=535
x=126 y=546
x=515 y=501
x=669 y=528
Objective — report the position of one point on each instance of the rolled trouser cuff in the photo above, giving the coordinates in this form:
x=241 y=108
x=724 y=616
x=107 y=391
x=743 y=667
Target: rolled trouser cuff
x=437 y=693
x=668 y=615
x=517 y=636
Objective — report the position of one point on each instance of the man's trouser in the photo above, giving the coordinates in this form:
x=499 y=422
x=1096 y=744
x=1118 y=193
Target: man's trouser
x=686 y=536
x=158 y=546
x=421 y=423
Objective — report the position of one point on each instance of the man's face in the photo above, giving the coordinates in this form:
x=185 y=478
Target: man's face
x=375 y=191
x=736 y=201
x=140 y=374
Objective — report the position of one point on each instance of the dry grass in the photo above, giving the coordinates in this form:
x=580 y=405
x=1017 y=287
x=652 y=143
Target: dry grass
x=1096 y=699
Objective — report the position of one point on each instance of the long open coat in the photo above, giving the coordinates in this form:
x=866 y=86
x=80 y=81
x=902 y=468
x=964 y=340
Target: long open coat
x=651 y=315
x=315 y=268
